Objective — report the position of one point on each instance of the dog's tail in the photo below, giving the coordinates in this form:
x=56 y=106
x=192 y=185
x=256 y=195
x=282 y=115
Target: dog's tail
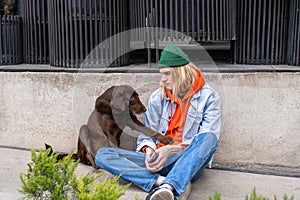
x=60 y=156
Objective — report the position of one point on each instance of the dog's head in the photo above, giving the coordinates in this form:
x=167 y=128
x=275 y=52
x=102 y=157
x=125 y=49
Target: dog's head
x=125 y=98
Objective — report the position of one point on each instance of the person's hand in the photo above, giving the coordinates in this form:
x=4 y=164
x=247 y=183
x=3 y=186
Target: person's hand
x=150 y=166
x=163 y=153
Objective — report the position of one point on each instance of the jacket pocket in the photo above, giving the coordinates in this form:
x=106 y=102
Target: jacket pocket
x=192 y=125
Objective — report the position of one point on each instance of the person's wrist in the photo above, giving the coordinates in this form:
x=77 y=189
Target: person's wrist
x=169 y=148
x=149 y=150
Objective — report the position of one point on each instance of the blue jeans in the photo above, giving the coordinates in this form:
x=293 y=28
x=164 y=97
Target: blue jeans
x=179 y=169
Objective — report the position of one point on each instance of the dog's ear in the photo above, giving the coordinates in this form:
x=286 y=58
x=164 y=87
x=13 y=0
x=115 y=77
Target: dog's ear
x=118 y=98
x=102 y=106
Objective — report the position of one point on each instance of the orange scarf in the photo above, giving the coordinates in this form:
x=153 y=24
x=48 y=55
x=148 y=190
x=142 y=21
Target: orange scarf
x=176 y=124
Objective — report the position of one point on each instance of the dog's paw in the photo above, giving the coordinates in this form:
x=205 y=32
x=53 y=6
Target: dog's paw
x=164 y=139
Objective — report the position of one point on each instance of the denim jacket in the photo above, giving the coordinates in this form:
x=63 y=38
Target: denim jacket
x=204 y=115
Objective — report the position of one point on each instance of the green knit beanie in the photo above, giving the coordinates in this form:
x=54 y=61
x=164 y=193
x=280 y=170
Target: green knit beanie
x=172 y=56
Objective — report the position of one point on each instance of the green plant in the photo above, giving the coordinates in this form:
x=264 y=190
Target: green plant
x=107 y=189
x=48 y=178
x=255 y=196
x=217 y=196
x=285 y=197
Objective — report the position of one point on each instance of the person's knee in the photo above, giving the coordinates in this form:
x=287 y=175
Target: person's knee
x=211 y=138
x=207 y=138
x=207 y=143
x=102 y=153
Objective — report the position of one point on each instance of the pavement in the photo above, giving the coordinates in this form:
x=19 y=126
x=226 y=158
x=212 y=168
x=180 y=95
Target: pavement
x=230 y=184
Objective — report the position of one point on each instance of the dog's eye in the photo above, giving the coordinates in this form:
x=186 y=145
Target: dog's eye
x=132 y=103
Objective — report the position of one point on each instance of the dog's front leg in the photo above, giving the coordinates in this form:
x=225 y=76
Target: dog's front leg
x=148 y=131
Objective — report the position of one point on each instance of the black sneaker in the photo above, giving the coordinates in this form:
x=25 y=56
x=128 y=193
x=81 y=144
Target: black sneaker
x=160 y=194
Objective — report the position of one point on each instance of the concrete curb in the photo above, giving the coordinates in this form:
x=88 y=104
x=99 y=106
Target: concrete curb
x=231 y=185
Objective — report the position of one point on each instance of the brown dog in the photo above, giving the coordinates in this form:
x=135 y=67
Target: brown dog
x=116 y=108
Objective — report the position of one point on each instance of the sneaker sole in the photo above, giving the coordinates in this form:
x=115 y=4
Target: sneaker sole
x=162 y=194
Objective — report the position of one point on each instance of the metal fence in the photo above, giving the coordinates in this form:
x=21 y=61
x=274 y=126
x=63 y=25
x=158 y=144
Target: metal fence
x=77 y=27
x=10 y=40
x=182 y=20
x=203 y=20
x=261 y=32
x=293 y=51
x=35 y=31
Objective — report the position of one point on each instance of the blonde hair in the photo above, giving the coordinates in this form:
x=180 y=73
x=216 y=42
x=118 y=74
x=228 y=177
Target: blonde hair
x=183 y=77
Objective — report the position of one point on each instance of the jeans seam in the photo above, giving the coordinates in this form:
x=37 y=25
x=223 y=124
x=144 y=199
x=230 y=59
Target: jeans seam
x=151 y=184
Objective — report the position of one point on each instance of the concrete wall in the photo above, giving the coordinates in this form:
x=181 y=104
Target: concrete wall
x=261 y=111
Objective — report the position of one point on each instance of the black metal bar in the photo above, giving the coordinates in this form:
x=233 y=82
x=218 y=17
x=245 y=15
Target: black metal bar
x=209 y=26
x=258 y=36
x=110 y=17
x=67 y=13
x=272 y=33
x=1 y=43
x=77 y=46
x=44 y=40
x=84 y=42
x=193 y=19
x=157 y=31
x=297 y=58
x=59 y=38
x=203 y=29
x=248 y=31
x=166 y=16
x=267 y=57
x=34 y=35
x=101 y=35
x=277 y=33
x=10 y=41
x=38 y=26
x=253 y=31
x=263 y=51
x=216 y=21
x=115 y=41
x=13 y=43
x=171 y=18
x=5 y=38
x=63 y=30
x=181 y=17
x=244 y=30
x=24 y=34
x=97 y=15
x=213 y=20
x=92 y=17
x=71 y=35
x=297 y=38
x=198 y=20
x=87 y=32
x=222 y=19
x=280 y=55
x=49 y=6
x=187 y=18
x=31 y=32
